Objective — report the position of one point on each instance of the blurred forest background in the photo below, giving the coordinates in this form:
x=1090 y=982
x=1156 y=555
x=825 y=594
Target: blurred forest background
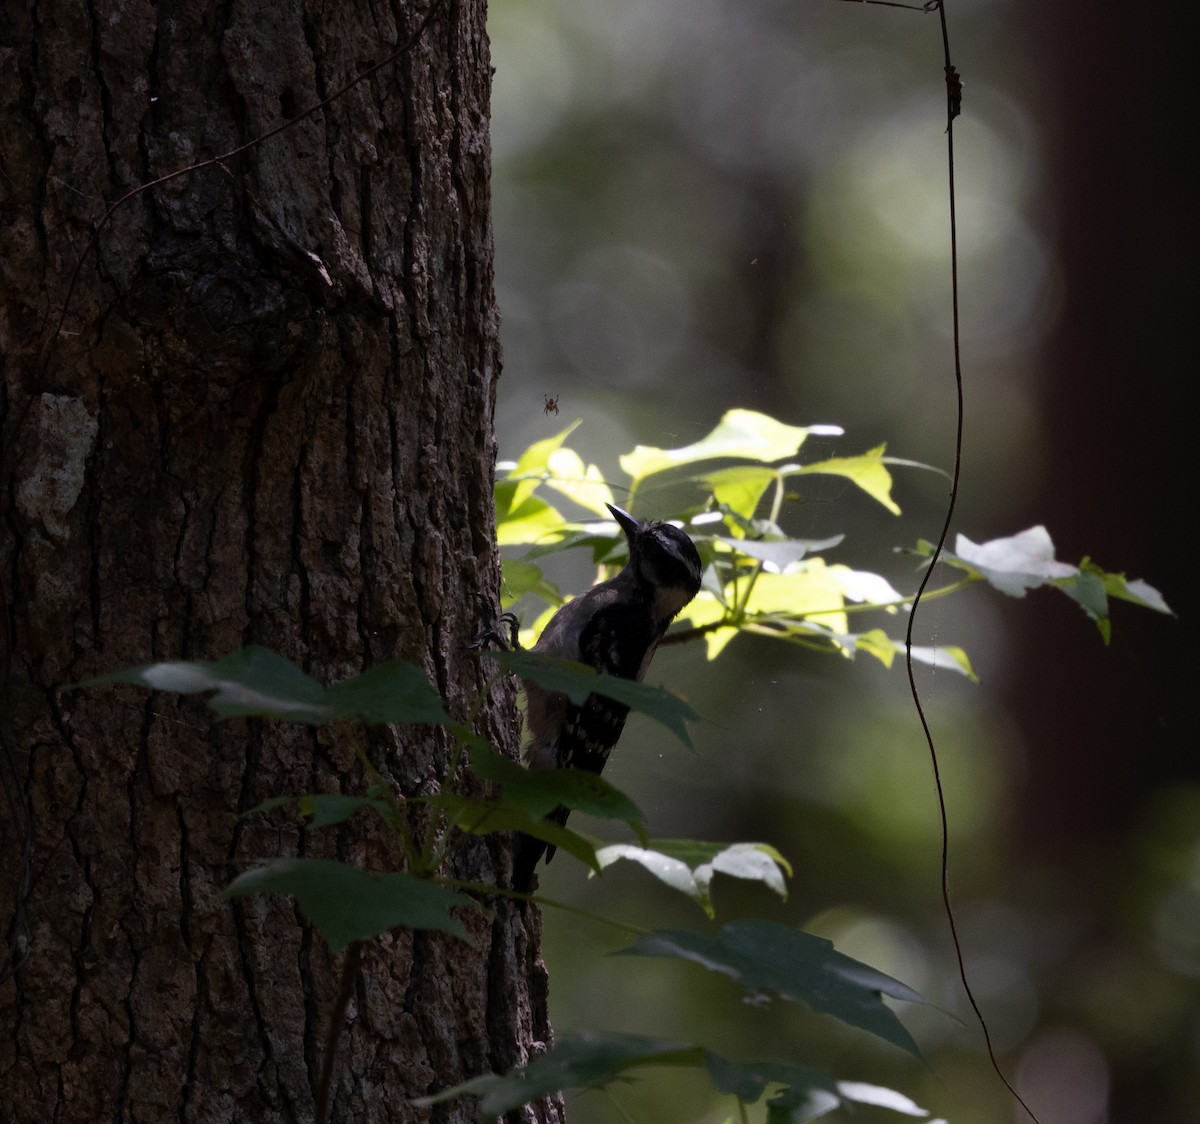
x=703 y=204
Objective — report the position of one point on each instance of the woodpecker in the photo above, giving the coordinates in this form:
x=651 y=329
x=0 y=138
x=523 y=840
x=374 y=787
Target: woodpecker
x=614 y=627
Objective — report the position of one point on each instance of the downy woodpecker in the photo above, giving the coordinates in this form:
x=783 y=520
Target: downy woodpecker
x=614 y=627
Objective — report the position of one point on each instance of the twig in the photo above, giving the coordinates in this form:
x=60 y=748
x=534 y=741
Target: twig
x=337 y=1019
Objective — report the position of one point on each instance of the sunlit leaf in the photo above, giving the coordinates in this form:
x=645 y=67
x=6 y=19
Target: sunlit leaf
x=777 y=556
x=740 y=433
x=862 y=586
x=1015 y=564
x=586 y=486
x=800 y=1103
x=740 y=488
x=880 y=1096
x=766 y=958
x=603 y=539
x=688 y=865
x=948 y=656
x=346 y=904
x=529 y=520
x=706 y=607
x=670 y=871
x=716 y=641
x=1094 y=586
x=1026 y=561
x=1136 y=591
x=530 y=633
x=698 y=852
x=811 y=590
x=877 y=643
x=868 y=471
x=752 y=862
x=536 y=458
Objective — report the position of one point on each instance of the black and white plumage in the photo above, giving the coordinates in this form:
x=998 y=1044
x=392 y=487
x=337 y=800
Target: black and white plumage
x=614 y=627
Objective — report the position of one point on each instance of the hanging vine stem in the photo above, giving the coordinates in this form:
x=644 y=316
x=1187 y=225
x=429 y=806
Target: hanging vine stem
x=953 y=109
x=337 y=1017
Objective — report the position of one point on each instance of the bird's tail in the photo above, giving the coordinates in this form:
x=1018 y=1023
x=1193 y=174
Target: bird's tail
x=530 y=851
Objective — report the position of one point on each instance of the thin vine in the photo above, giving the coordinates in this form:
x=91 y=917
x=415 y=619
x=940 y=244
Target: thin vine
x=953 y=109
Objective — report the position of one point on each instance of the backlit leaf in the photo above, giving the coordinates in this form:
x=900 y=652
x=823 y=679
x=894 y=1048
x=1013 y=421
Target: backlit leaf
x=743 y=434
x=868 y=471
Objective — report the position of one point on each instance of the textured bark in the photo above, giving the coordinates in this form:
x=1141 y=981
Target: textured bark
x=266 y=418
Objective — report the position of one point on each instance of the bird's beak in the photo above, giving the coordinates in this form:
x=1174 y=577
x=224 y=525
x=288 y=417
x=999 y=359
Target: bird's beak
x=628 y=524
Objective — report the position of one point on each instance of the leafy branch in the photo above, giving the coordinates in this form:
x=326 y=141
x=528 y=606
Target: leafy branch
x=347 y=905
x=759 y=579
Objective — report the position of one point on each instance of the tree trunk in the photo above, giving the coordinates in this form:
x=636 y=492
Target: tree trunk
x=265 y=417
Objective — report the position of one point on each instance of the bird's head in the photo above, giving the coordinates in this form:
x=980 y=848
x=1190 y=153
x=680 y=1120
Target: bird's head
x=661 y=554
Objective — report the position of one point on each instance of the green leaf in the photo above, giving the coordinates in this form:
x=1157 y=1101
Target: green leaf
x=347 y=904
x=538 y=792
x=585 y=1060
x=1015 y=564
x=520 y=577
x=748 y=1081
x=477 y=816
x=668 y=870
x=536 y=458
x=258 y=683
x=326 y=809
x=688 y=865
x=877 y=643
x=1087 y=590
x=393 y=692
x=1094 y=586
x=766 y=958
x=524 y=518
x=867 y=471
x=577 y=681
x=799 y=1105
x=741 y=487
x=880 y=1096
x=594 y=1060
x=740 y=433
x=586 y=486
x=1136 y=591
x=254 y=682
x=1026 y=560
x=781 y=554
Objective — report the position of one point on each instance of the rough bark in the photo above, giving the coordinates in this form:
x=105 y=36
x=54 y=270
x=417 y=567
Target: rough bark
x=266 y=418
